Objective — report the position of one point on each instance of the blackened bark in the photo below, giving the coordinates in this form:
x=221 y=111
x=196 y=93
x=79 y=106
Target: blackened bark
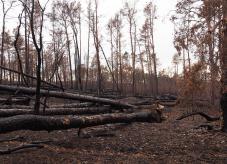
x=66 y=95
x=37 y=123
x=56 y=111
x=31 y=77
x=224 y=68
x=204 y=115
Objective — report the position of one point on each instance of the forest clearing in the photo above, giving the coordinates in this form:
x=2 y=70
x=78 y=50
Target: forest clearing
x=144 y=82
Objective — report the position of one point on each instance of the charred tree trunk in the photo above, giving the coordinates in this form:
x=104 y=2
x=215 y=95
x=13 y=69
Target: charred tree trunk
x=97 y=43
x=88 y=45
x=224 y=67
x=39 y=55
x=16 y=101
x=26 y=40
x=204 y=115
x=15 y=107
x=56 y=111
x=133 y=59
x=69 y=53
x=17 y=51
x=67 y=96
x=4 y=13
x=73 y=105
x=31 y=77
x=37 y=123
x=2 y=48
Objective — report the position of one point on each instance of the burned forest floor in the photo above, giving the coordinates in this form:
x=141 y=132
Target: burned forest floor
x=168 y=142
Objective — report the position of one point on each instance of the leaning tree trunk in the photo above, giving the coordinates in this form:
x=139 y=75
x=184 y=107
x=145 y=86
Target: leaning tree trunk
x=37 y=123
x=30 y=77
x=224 y=68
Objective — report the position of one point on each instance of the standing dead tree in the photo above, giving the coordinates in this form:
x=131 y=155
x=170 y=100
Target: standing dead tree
x=73 y=12
x=224 y=67
x=115 y=27
x=17 y=51
x=110 y=29
x=150 y=11
x=88 y=43
x=63 y=14
x=95 y=32
x=38 y=43
x=4 y=12
x=129 y=13
x=26 y=40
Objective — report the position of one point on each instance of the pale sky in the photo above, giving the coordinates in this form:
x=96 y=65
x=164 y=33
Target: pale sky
x=163 y=30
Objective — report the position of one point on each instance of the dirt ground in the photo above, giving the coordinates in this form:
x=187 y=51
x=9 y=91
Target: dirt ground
x=168 y=142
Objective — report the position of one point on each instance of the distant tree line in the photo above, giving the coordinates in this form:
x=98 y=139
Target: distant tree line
x=61 y=60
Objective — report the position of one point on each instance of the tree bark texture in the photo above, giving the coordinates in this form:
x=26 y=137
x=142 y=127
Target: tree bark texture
x=224 y=68
x=31 y=77
x=37 y=123
x=15 y=101
x=55 y=111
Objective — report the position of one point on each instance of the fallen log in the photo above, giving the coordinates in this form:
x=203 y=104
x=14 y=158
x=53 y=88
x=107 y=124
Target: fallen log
x=26 y=146
x=169 y=104
x=66 y=95
x=55 y=111
x=72 y=105
x=5 y=107
x=31 y=77
x=48 y=123
x=76 y=105
x=16 y=101
x=41 y=103
x=143 y=102
x=17 y=138
x=204 y=115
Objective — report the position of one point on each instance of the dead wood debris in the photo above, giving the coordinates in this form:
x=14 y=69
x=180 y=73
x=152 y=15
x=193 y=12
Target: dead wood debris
x=204 y=115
